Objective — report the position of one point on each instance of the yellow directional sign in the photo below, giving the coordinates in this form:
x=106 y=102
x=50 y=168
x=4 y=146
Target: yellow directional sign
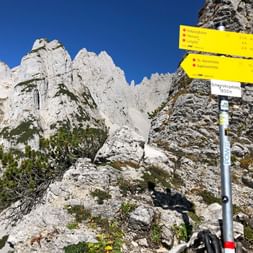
x=215 y=41
x=218 y=67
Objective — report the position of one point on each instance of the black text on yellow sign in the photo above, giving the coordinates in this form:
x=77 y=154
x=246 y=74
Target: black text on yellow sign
x=215 y=41
x=218 y=67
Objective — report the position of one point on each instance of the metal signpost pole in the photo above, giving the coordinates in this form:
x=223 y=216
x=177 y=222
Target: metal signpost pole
x=225 y=74
x=225 y=161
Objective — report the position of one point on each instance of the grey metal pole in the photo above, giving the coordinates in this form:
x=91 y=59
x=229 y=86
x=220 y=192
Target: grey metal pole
x=225 y=162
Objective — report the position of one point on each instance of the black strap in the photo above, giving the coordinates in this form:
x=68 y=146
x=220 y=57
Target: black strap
x=211 y=241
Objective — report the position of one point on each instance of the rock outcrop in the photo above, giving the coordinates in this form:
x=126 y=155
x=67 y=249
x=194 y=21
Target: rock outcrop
x=125 y=145
x=105 y=198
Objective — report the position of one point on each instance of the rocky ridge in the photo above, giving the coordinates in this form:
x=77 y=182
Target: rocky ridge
x=48 y=90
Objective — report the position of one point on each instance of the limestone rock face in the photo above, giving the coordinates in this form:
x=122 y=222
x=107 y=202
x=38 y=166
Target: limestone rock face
x=107 y=84
x=48 y=90
x=151 y=93
x=170 y=219
x=41 y=95
x=119 y=103
x=50 y=219
x=5 y=86
x=5 y=80
x=235 y=15
x=187 y=129
x=187 y=125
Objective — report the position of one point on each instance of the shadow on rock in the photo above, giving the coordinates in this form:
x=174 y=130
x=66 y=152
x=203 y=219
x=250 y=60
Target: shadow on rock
x=169 y=199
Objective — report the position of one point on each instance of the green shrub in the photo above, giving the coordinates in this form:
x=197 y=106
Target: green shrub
x=248 y=234
x=79 y=212
x=246 y=161
x=25 y=180
x=3 y=241
x=152 y=114
x=183 y=231
x=72 y=225
x=99 y=221
x=177 y=181
x=22 y=133
x=110 y=239
x=27 y=175
x=100 y=195
x=153 y=174
x=194 y=217
x=81 y=247
x=155 y=234
x=63 y=90
x=209 y=197
x=131 y=187
x=158 y=176
x=124 y=186
x=236 y=209
x=126 y=208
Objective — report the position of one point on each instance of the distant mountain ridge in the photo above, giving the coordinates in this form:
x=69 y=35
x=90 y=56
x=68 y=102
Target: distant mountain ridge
x=48 y=89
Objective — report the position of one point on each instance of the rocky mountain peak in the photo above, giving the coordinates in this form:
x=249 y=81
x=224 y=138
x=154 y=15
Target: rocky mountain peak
x=48 y=89
x=102 y=60
x=44 y=43
x=39 y=43
x=44 y=93
x=5 y=72
x=118 y=102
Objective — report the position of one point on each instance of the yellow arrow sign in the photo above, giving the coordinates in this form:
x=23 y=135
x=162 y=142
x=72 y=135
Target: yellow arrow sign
x=218 y=67
x=215 y=41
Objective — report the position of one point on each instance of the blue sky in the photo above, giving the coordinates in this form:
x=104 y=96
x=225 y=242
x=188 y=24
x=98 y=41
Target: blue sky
x=140 y=35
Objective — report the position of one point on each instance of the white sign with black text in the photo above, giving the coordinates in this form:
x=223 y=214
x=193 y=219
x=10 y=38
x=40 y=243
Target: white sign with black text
x=226 y=88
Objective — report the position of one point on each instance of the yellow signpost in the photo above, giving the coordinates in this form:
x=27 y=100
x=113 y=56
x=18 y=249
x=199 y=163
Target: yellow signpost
x=215 y=41
x=218 y=67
